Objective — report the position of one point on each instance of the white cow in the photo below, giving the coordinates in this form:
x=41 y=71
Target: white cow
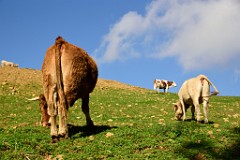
x=194 y=92
x=6 y=63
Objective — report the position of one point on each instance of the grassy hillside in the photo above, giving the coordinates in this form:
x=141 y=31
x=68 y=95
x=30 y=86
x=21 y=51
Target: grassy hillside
x=130 y=123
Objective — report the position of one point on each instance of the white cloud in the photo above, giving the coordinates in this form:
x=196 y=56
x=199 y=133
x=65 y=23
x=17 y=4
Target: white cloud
x=200 y=34
x=118 y=43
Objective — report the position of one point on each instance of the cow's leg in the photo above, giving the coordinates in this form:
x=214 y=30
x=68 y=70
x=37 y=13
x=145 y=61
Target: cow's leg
x=166 y=89
x=197 y=108
x=62 y=111
x=154 y=87
x=184 y=111
x=85 y=109
x=52 y=111
x=205 y=92
x=205 y=110
x=157 y=89
x=193 y=111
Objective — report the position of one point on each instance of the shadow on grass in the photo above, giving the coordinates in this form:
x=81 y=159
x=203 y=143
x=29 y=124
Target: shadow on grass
x=205 y=148
x=86 y=130
x=233 y=152
x=194 y=120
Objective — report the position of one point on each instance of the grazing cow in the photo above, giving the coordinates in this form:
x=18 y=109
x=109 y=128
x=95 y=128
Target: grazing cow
x=163 y=84
x=194 y=92
x=6 y=63
x=69 y=73
x=43 y=107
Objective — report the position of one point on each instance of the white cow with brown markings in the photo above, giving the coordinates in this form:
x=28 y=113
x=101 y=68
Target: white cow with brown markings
x=163 y=84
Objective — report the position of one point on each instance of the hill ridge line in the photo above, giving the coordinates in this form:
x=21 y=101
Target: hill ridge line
x=25 y=76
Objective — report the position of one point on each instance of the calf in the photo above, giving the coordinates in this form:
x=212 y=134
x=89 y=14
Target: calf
x=163 y=84
x=194 y=92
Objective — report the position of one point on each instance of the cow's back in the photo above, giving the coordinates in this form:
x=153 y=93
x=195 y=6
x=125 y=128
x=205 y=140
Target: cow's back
x=79 y=71
x=183 y=92
x=48 y=68
x=194 y=89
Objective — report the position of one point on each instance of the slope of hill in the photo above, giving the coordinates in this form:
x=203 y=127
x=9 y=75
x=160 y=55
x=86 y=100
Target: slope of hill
x=23 y=76
x=130 y=123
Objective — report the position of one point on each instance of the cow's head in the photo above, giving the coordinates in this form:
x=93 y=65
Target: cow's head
x=43 y=107
x=172 y=84
x=178 y=110
x=44 y=110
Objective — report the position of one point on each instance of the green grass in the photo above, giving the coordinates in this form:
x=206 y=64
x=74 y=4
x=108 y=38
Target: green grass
x=140 y=124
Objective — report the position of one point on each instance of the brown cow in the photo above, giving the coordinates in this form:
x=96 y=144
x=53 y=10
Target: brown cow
x=194 y=92
x=69 y=73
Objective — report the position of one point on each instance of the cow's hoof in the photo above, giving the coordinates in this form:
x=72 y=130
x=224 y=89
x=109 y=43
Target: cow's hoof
x=62 y=136
x=47 y=125
x=200 y=121
x=90 y=127
x=90 y=124
x=55 y=139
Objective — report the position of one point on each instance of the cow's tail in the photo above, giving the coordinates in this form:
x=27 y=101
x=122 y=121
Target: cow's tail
x=58 y=53
x=215 y=89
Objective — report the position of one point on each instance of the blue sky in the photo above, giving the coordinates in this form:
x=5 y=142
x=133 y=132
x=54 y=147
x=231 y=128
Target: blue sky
x=133 y=42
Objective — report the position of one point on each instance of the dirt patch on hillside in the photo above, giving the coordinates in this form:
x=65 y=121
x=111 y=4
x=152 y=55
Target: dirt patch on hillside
x=13 y=75
x=22 y=76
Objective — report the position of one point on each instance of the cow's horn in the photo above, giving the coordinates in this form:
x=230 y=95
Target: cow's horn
x=33 y=99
